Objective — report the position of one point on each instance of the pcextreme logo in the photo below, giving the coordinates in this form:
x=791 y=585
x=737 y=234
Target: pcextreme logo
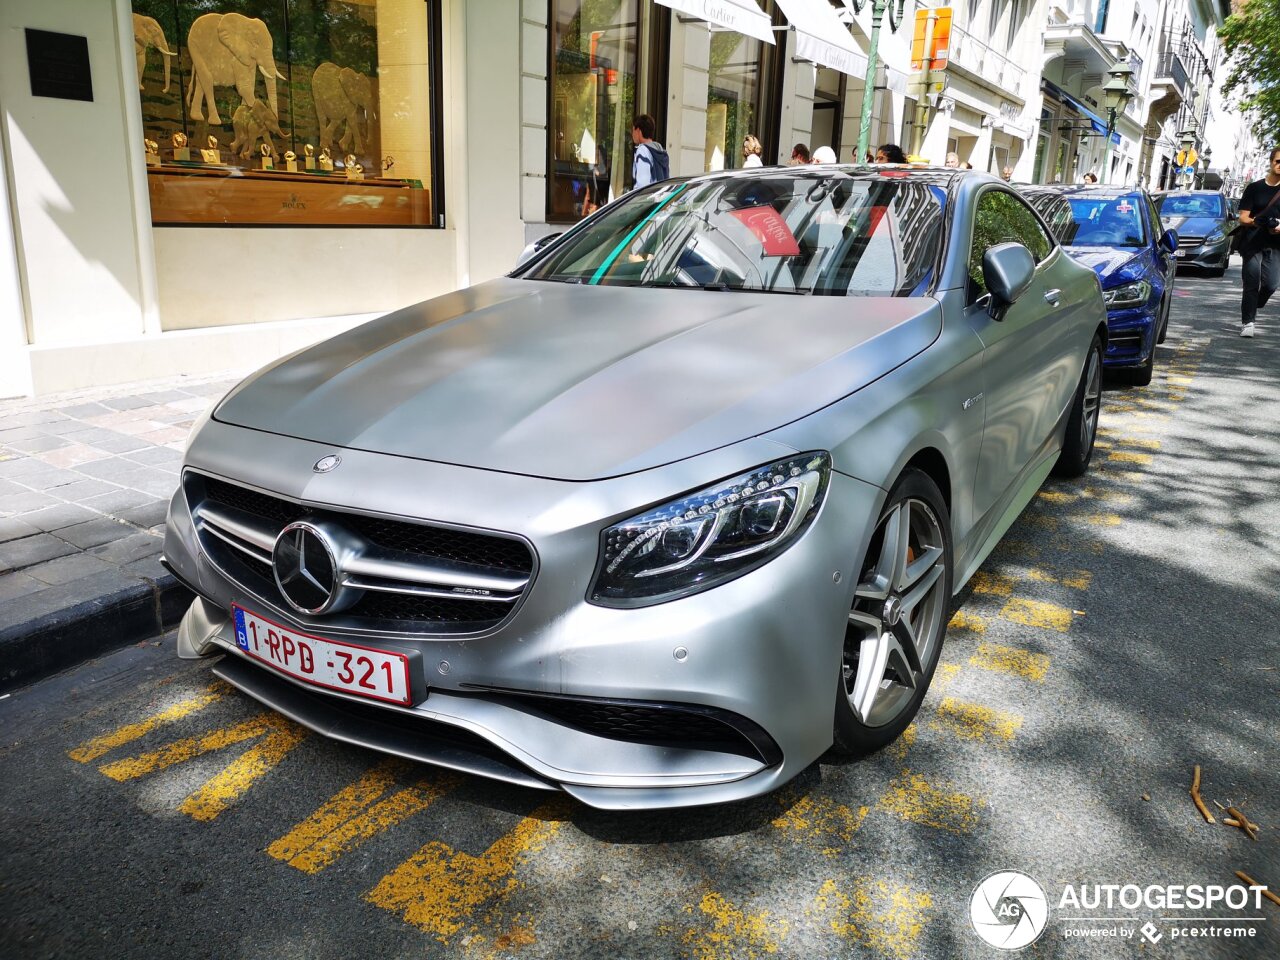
x=1010 y=910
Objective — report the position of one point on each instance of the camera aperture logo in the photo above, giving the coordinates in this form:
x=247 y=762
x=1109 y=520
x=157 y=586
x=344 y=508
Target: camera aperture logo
x=1009 y=910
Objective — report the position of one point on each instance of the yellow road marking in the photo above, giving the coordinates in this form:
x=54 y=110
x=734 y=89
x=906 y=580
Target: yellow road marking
x=1104 y=519
x=899 y=749
x=438 y=888
x=822 y=821
x=1020 y=548
x=1075 y=579
x=95 y=748
x=1041 y=520
x=996 y=583
x=734 y=933
x=1020 y=663
x=967 y=621
x=971 y=721
x=279 y=736
x=942 y=677
x=1126 y=456
x=1034 y=613
x=1057 y=496
x=1113 y=496
x=885 y=917
x=915 y=799
x=356 y=813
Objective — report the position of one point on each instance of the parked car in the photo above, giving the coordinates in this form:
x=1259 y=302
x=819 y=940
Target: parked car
x=1201 y=219
x=668 y=512
x=1117 y=232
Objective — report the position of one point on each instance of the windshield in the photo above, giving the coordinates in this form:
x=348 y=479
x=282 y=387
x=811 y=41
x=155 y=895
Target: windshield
x=786 y=232
x=1191 y=206
x=1108 y=221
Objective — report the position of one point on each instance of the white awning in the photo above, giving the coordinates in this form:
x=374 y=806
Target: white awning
x=741 y=16
x=822 y=39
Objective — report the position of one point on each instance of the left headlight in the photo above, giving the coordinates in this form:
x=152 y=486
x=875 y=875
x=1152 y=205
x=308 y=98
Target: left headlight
x=1215 y=236
x=708 y=537
x=1127 y=295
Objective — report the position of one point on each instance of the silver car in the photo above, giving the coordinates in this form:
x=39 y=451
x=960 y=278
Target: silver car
x=675 y=508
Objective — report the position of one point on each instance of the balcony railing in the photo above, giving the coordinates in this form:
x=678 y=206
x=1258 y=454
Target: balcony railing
x=1170 y=65
x=981 y=60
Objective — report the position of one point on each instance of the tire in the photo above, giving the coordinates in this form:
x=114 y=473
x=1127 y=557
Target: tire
x=1141 y=376
x=901 y=606
x=1082 y=422
x=1163 y=331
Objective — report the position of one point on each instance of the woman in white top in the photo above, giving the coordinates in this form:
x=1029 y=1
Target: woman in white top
x=751 y=151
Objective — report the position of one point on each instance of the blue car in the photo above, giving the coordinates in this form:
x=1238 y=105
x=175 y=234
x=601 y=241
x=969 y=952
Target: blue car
x=1117 y=231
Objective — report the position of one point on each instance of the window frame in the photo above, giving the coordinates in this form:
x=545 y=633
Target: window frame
x=976 y=292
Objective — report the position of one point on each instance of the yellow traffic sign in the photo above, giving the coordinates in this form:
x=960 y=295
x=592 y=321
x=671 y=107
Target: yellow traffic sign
x=1186 y=158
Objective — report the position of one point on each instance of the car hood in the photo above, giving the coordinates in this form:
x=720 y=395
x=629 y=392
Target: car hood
x=1105 y=261
x=1192 y=226
x=580 y=382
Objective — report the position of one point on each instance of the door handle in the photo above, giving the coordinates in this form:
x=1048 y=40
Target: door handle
x=1053 y=296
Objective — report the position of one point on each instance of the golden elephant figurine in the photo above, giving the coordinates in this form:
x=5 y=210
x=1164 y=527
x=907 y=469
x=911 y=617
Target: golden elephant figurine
x=229 y=50
x=344 y=100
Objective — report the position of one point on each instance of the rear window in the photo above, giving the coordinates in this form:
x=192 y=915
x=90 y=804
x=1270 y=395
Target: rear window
x=804 y=232
x=1191 y=206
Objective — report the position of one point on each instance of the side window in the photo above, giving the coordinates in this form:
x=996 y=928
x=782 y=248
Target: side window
x=1002 y=217
x=1157 y=228
x=1061 y=220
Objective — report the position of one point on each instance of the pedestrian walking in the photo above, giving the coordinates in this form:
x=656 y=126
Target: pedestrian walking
x=1090 y=178
x=953 y=160
x=751 y=151
x=799 y=155
x=824 y=155
x=1260 y=244
x=1006 y=174
x=651 y=162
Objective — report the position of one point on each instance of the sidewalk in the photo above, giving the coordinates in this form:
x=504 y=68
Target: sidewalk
x=85 y=482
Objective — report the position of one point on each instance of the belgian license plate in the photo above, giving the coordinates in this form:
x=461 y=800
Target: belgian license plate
x=349 y=667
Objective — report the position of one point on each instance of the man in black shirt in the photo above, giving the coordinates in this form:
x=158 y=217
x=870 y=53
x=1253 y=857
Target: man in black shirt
x=1260 y=211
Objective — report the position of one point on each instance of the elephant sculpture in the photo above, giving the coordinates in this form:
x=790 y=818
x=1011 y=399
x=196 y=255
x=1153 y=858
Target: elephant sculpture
x=251 y=124
x=228 y=50
x=343 y=98
x=148 y=33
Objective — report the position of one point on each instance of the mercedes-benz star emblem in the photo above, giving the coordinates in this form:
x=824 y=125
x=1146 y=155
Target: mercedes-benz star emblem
x=305 y=569
x=325 y=464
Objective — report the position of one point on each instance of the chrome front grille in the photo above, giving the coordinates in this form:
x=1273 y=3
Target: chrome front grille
x=1186 y=240
x=410 y=577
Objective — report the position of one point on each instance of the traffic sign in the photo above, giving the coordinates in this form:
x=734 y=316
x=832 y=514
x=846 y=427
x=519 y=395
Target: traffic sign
x=1187 y=158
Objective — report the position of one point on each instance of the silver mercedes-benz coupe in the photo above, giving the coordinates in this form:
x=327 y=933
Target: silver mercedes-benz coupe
x=673 y=509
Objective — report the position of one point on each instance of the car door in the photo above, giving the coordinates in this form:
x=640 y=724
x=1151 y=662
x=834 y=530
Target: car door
x=1166 y=262
x=1029 y=370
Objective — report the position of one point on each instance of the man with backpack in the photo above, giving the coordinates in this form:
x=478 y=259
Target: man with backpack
x=651 y=162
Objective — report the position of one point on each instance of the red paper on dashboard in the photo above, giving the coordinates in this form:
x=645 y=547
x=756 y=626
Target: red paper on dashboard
x=770 y=229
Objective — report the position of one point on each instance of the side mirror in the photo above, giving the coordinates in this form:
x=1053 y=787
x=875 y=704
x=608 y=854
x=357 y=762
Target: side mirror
x=1007 y=270
x=538 y=245
x=1169 y=240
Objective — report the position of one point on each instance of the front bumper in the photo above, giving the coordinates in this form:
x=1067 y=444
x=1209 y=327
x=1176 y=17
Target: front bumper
x=1131 y=336
x=1207 y=256
x=761 y=652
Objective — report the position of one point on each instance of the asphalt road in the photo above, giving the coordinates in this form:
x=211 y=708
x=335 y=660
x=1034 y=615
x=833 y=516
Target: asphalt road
x=1125 y=631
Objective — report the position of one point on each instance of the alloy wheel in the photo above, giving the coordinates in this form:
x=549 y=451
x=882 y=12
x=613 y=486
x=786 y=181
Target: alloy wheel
x=1092 y=400
x=895 y=625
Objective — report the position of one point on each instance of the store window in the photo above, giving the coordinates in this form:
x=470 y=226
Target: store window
x=290 y=112
x=595 y=93
x=828 y=109
x=734 y=95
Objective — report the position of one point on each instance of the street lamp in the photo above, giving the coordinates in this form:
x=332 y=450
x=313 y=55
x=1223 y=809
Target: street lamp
x=1116 y=94
x=895 y=8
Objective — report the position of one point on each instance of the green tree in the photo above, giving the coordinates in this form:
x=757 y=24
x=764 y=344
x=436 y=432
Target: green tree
x=1251 y=39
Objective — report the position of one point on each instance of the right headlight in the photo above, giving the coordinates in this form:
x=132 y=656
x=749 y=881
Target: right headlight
x=708 y=537
x=1127 y=295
